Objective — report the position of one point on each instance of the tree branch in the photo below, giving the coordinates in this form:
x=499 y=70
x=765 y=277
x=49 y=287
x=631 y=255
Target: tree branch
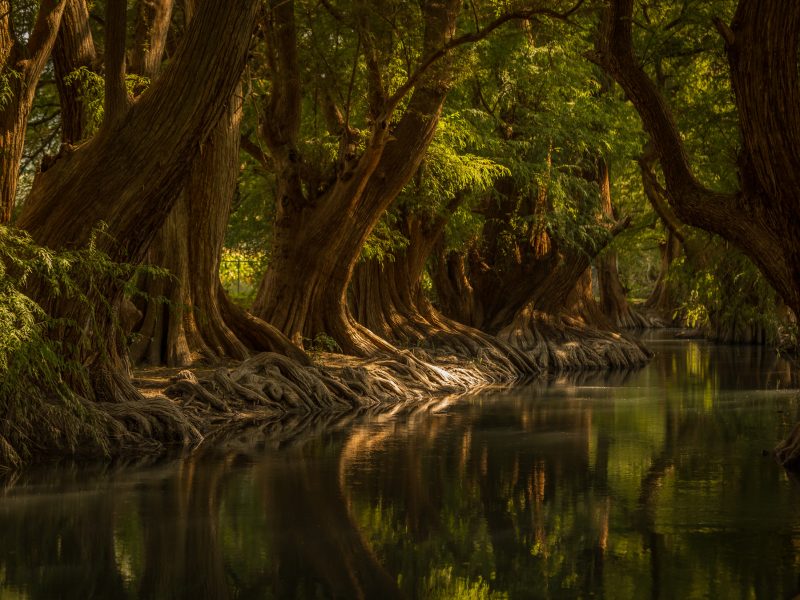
x=254 y=150
x=614 y=53
x=656 y=195
x=44 y=31
x=469 y=38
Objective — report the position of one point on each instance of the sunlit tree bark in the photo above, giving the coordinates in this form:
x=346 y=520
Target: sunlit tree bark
x=131 y=173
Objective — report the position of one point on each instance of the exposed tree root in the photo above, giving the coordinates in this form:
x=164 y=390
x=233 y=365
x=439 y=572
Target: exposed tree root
x=272 y=391
x=270 y=384
x=631 y=318
x=560 y=343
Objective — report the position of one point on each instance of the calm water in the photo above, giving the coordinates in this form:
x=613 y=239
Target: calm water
x=646 y=485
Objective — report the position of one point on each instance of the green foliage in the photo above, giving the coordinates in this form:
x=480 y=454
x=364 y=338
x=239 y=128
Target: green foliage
x=240 y=273
x=384 y=240
x=40 y=370
x=322 y=342
x=91 y=90
x=6 y=87
x=725 y=294
x=456 y=161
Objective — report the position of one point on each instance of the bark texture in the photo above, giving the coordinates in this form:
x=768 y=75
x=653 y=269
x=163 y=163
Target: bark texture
x=74 y=49
x=387 y=298
x=576 y=336
x=130 y=175
x=150 y=36
x=22 y=65
x=187 y=316
x=321 y=234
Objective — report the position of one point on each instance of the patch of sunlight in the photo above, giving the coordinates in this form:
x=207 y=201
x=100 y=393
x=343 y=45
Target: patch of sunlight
x=441 y=584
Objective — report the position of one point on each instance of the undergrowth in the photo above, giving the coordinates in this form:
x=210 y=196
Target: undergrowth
x=40 y=372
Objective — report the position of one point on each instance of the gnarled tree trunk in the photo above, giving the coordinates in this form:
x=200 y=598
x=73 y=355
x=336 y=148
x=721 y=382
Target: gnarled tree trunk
x=317 y=241
x=387 y=298
x=130 y=174
x=187 y=315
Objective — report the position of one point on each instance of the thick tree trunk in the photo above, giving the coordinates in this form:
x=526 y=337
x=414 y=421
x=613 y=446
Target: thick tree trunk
x=387 y=298
x=488 y=284
x=21 y=65
x=385 y=295
x=573 y=334
x=322 y=238
x=186 y=316
x=74 y=49
x=130 y=175
x=324 y=243
x=662 y=298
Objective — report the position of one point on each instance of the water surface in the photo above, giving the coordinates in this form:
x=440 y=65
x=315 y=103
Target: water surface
x=651 y=484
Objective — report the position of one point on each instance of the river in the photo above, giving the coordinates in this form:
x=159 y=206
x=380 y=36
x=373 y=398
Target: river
x=651 y=484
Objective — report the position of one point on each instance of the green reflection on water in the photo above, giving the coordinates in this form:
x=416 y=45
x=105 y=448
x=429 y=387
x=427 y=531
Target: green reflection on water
x=642 y=485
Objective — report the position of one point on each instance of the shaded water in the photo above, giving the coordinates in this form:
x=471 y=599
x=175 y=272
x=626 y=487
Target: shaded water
x=645 y=485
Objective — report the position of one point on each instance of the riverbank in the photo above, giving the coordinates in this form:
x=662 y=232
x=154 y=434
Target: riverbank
x=171 y=408
x=270 y=386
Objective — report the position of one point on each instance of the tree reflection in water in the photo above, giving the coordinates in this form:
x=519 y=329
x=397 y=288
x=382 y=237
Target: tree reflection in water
x=648 y=484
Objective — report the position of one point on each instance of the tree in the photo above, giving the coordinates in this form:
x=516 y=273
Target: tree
x=23 y=56
x=613 y=302
x=323 y=217
x=762 y=216
x=761 y=44
x=130 y=174
x=187 y=314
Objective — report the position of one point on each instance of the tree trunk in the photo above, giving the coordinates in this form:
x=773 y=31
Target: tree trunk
x=488 y=284
x=321 y=238
x=662 y=298
x=387 y=298
x=187 y=316
x=74 y=49
x=613 y=300
x=386 y=294
x=21 y=65
x=574 y=333
x=760 y=218
x=455 y=295
x=150 y=36
x=130 y=175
